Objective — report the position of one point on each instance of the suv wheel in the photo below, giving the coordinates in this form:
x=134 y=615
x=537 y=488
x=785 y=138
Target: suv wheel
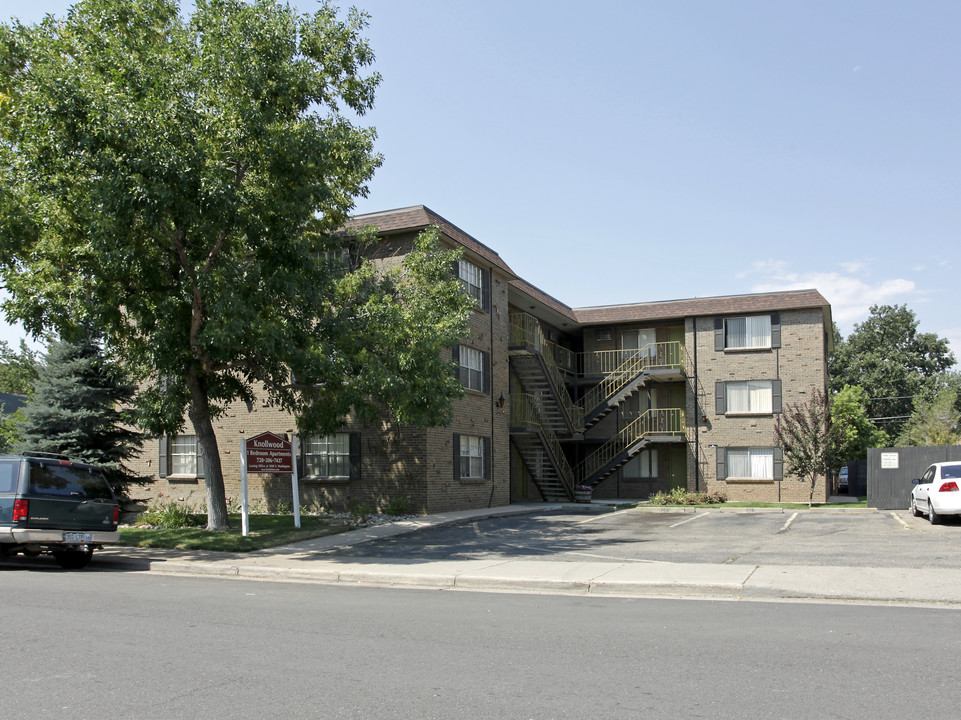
x=72 y=559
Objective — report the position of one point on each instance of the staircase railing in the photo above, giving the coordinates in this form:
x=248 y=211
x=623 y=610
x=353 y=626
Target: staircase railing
x=526 y=331
x=631 y=363
x=666 y=421
x=526 y=412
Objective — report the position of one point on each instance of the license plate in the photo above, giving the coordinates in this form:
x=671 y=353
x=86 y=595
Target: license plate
x=77 y=537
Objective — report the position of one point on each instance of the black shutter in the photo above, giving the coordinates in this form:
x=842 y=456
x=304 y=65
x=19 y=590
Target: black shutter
x=201 y=461
x=488 y=470
x=456 y=443
x=720 y=398
x=164 y=457
x=718 y=333
x=486 y=290
x=355 y=456
x=776 y=396
x=778 y=463
x=486 y=365
x=776 y=330
x=722 y=463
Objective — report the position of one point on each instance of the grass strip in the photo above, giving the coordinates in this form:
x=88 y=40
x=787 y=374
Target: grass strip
x=265 y=531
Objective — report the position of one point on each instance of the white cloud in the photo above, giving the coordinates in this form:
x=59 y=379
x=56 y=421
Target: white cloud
x=851 y=297
x=853 y=267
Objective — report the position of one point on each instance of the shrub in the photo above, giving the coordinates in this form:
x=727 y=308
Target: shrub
x=680 y=496
x=168 y=514
x=360 y=511
x=397 y=506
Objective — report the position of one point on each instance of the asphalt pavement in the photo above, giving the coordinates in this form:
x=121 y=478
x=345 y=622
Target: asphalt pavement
x=317 y=561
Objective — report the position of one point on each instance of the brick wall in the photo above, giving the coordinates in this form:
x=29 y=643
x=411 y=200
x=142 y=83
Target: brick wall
x=798 y=364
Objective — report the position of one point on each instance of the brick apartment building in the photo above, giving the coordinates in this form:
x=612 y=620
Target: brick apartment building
x=628 y=399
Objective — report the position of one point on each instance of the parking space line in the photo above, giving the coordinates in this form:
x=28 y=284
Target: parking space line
x=898 y=518
x=695 y=517
x=784 y=528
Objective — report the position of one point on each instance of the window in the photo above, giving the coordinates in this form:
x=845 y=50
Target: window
x=753 y=463
x=755 y=332
x=748 y=397
x=637 y=343
x=328 y=456
x=183 y=455
x=471 y=456
x=753 y=396
x=642 y=465
x=472 y=363
x=180 y=456
x=472 y=279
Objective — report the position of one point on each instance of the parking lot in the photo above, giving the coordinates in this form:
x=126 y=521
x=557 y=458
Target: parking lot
x=860 y=539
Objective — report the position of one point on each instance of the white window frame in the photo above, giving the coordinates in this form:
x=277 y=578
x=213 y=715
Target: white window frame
x=749 y=397
x=755 y=334
x=471 y=457
x=327 y=456
x=472 y=367
x=642 y=466
x=183 y=455
x=750 y=463
x=472 y=278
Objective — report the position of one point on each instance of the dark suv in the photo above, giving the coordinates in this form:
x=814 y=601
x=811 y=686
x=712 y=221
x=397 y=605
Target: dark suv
x=49 y=504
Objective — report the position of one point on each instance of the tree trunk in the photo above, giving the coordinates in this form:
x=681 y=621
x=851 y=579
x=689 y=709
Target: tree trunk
x=199 y=414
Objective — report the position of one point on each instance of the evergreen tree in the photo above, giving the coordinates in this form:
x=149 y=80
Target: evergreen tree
x=76 y=410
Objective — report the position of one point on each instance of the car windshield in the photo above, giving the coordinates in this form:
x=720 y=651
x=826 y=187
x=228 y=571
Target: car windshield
x=68 y=481
x=951 y=472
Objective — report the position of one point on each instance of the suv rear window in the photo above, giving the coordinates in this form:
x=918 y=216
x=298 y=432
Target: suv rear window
x=68 y=481
x=9 y=474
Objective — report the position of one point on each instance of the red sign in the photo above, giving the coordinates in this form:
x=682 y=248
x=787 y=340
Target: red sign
x=269 y=453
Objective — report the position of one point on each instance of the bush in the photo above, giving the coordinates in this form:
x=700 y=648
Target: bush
x=168 y=514
x=360 y=511
x=680 y=496
x=397 y=506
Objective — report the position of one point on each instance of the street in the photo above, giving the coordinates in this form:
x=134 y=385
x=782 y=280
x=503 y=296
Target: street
x=122 y=644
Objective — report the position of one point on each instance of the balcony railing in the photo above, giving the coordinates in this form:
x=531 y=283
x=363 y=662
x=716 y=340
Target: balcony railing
x=630 y=364
x=666 y=421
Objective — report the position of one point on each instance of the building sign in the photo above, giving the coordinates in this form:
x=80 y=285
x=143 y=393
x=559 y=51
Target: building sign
x=269 y=453
x=889 y=461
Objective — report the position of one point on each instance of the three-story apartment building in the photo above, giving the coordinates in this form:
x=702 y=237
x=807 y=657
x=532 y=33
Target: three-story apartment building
x=626 y=399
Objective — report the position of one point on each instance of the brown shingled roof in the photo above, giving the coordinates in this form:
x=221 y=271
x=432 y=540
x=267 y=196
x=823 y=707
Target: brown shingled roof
x=420 y=216
x=542 y=297
x=694 y=307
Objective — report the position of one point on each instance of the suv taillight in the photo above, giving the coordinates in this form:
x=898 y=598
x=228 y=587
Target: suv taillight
x=116 y=514
x=951 y=486
x=21 y=509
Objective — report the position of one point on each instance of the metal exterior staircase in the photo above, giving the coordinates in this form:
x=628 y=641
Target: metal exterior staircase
x=540 y=449
x=544 y=412
x=652 y=426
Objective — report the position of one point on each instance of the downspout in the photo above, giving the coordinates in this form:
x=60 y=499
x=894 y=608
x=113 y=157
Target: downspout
x=697 y=415
x=490 y=500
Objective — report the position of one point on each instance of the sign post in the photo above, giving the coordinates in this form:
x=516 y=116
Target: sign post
x=267 y=453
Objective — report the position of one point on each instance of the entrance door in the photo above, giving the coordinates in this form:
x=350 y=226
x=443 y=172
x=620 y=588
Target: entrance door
x=634 y=343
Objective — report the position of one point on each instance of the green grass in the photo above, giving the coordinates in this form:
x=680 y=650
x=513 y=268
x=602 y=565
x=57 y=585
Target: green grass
x=861 y=503
x=265 y=531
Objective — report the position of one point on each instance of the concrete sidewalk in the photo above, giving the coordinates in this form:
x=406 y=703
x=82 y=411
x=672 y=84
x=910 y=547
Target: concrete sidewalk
x=306 y=562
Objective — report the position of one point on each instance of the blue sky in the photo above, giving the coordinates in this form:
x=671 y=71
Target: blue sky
x=649 y=150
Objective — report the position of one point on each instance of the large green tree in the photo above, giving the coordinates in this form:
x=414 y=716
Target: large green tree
x=79 y=408
x=855 y=431
x=179 y=183
x=936 y=419
x=894 y=363
x=18 y=368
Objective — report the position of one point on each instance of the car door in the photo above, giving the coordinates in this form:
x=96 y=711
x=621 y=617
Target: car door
x=923 y=489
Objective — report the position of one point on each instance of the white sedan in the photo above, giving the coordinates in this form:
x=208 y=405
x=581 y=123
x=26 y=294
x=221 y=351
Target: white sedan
x=937 y=492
